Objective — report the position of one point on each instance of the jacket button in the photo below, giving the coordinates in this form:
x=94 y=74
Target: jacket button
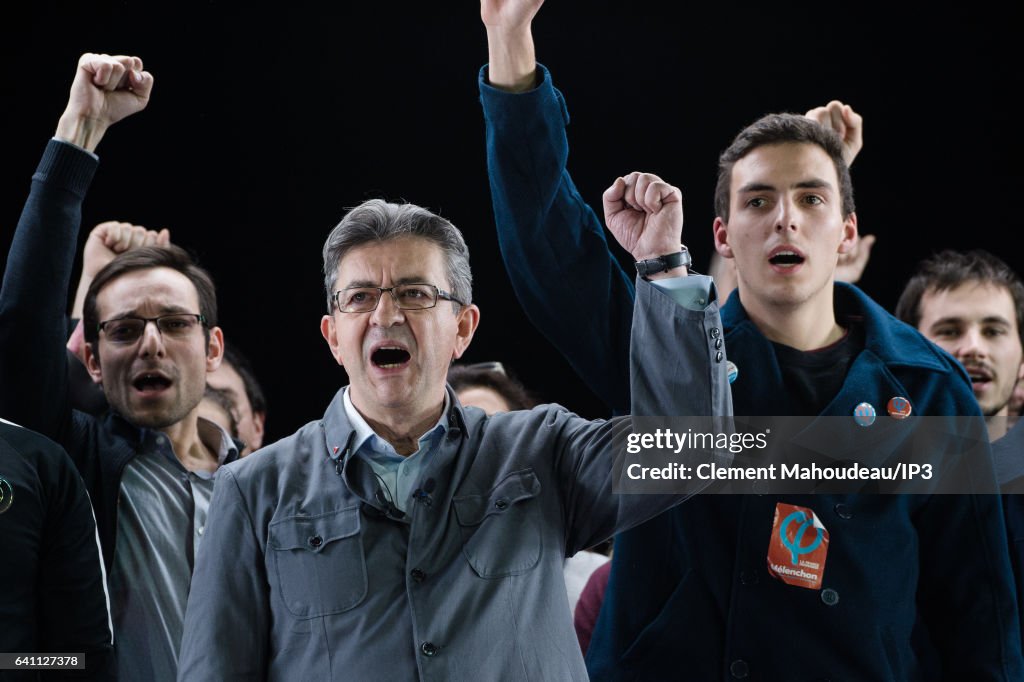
x=830 y=597
x=417 y=575
x=428 y=649
x=718 y=343
x=748 y=577
x=843 y=511
x=501 y=504
x=715 y=332
x=719 y=356
x=739 y=669
x=316 y=541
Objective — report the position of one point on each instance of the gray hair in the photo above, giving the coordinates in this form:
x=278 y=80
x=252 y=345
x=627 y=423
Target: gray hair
x=380 y=221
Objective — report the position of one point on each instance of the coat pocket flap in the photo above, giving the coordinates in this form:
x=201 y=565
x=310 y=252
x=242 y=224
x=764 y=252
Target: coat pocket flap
x=517 y=486
x=313 y=532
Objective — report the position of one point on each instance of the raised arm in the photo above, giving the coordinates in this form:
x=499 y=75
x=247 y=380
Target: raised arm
x=33 y=361
x=566 y=278
x=645 y=214
x=510 y=50
x=676 y=368
x=849 y=125
x=106 y=241
x=105 y=90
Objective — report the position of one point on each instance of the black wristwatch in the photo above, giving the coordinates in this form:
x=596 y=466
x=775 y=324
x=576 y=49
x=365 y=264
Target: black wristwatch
x=663 y=263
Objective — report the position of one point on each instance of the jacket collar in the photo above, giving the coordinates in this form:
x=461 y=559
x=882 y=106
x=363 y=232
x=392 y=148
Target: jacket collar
x=340 y=440
x=893 y=342
x=340 y=434
x=226 y=447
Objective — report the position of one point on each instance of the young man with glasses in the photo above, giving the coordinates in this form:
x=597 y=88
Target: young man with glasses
x=150 y=322
x=403 y=536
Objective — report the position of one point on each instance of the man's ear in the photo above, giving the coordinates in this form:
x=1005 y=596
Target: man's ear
x=850 y=236
x=721 y=231
x=92 y=363
x=330 y=333
x=468 y=321
x=214 y=349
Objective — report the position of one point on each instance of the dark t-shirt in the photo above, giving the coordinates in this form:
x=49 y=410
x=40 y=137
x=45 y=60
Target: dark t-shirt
x=814 y=378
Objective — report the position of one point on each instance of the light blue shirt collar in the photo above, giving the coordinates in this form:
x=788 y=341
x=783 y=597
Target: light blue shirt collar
x=397 y=475
x=365 y=435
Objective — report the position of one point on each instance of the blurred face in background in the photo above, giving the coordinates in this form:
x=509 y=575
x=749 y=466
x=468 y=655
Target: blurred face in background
x=976 y=323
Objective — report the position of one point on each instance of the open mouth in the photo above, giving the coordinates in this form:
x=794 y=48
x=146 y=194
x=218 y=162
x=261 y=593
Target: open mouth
x=979 y=376
x=786 y=259
x=151 y=383
x=389 y=357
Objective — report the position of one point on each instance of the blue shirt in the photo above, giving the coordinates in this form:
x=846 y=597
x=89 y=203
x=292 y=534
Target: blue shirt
x=398 y=475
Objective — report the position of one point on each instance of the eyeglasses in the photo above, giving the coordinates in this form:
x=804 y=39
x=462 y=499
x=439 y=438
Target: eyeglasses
x=405 y=296
x=127 y=330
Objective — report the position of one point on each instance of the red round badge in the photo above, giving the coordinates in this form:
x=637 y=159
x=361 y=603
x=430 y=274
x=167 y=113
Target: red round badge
x=898 y=408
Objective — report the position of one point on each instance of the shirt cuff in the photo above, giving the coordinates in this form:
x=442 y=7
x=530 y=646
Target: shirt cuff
x=695 y=292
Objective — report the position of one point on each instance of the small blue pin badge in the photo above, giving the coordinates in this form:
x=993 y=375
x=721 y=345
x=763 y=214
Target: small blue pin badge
x=864 y=414
x=732 y=371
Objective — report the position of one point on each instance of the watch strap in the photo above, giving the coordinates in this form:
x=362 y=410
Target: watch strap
x=651 y=266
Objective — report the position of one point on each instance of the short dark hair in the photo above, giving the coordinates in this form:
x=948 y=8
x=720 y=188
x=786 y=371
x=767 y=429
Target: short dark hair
x=253 y=390
x=948 y=270
x=145 y=258
x=779 y=129
x=492 y=376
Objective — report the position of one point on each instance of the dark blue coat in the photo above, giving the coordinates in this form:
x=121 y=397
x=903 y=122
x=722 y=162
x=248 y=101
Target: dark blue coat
x=1008 y=455
x=916 y=587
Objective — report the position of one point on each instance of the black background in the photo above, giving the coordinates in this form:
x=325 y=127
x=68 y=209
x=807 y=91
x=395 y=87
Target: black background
x=267 y=122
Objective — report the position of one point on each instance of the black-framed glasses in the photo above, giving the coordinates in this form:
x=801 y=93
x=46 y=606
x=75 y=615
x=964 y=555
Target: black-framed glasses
x=130 y=329
x=405 y=296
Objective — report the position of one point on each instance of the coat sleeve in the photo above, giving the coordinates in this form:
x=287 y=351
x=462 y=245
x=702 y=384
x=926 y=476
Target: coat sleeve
x=676 y=370
x=562 y=270
x=227 y=621
x=33 y=361
x=966 y=592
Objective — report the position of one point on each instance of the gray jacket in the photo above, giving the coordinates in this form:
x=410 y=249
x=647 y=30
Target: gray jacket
x=304 y=575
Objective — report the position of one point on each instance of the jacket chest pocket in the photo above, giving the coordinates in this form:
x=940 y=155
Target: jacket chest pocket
x=501 y=529
x=317 y=562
